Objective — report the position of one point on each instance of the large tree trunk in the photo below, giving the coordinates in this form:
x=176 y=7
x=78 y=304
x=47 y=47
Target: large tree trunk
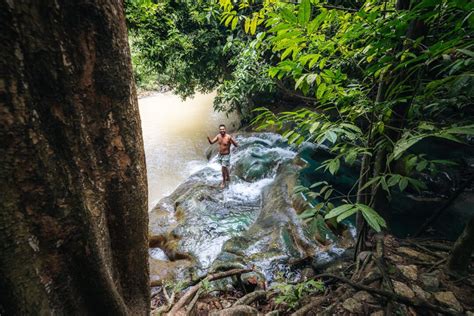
x=73 y=217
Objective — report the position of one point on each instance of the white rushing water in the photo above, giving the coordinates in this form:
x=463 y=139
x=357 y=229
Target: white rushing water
x=174 y=134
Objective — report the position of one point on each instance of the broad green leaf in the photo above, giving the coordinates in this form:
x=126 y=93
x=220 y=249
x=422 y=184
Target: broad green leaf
x=314 y=127
x=304 y=12
x=334 y=166
x=321 y=90
x=371 y=182
x=372 y=217
x=346 y=214
x=338 y=210
x=234 y=23
x=402 y=145
x=393 y=180
x=403 y=184
x=288 y=15
x=317 y=184
x=286 y=52
x=308 y=213
x=253 y=25
x=299 y=81
x=331 y=136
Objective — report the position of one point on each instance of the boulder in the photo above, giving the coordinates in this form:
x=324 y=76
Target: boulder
x=430 y=281
x=410 y=272
x=363 y=296
x=449 y=300
x=353 y=306
x=277 y=234
x=403 y=289
x=420 y=293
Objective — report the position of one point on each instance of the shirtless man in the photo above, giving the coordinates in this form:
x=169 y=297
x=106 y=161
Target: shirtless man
x=224 y=140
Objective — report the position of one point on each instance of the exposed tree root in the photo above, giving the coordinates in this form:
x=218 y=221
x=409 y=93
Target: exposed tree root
x=192 y=291
x=240 y=310
x=251 y=297
x=191 y=305
x=309 y=307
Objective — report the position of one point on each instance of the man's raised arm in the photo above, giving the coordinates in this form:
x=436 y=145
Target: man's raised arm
x=212 y=141
x=233 y=142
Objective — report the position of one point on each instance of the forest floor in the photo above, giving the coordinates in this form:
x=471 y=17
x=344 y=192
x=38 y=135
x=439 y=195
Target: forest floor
x=399 y=277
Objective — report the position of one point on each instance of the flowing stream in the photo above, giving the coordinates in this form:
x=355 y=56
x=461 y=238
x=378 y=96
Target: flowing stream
x=191 y=218
x=174 y=134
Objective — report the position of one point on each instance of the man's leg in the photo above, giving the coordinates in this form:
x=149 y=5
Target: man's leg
x=223 y=176
x=227 y=175
x=227 y=166
x=225 y=170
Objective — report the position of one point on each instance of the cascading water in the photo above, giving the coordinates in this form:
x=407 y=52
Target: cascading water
x=209 y=216
x=199 y=227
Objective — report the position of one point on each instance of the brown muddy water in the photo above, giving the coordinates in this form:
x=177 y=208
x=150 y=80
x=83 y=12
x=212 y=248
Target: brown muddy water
x=174 y=134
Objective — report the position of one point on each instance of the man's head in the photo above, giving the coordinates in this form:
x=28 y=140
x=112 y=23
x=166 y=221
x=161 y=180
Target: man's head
x=222 y=129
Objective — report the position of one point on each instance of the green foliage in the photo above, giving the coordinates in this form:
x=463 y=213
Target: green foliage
x=248 y=79
x=380 y=80
x=180 y=41
x=206 y=285
x=291 y=294
x=174 y=287
x=344 y=211
x=145 y=76
x=375 y=80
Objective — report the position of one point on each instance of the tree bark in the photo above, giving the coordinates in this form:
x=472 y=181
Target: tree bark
x=73 y=218
x=460 y=258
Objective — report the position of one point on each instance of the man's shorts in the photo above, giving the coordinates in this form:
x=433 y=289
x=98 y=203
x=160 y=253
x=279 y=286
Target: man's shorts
x=224 y=160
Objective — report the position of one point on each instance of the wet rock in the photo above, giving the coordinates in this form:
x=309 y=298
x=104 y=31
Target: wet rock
x=410 y=271
x=403 y=289
x=161 y=270
x=363 y=296
x=449 y=300
x=277 y=235
x=252 y=222
x=420 y=293
x=430 y=281
x=307 y=273
x=253 y=281
x=353 y=306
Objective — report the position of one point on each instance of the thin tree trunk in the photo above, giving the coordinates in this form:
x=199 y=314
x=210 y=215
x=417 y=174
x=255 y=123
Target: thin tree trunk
x=73 y=218
x=460 y=258
x=416 y=30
